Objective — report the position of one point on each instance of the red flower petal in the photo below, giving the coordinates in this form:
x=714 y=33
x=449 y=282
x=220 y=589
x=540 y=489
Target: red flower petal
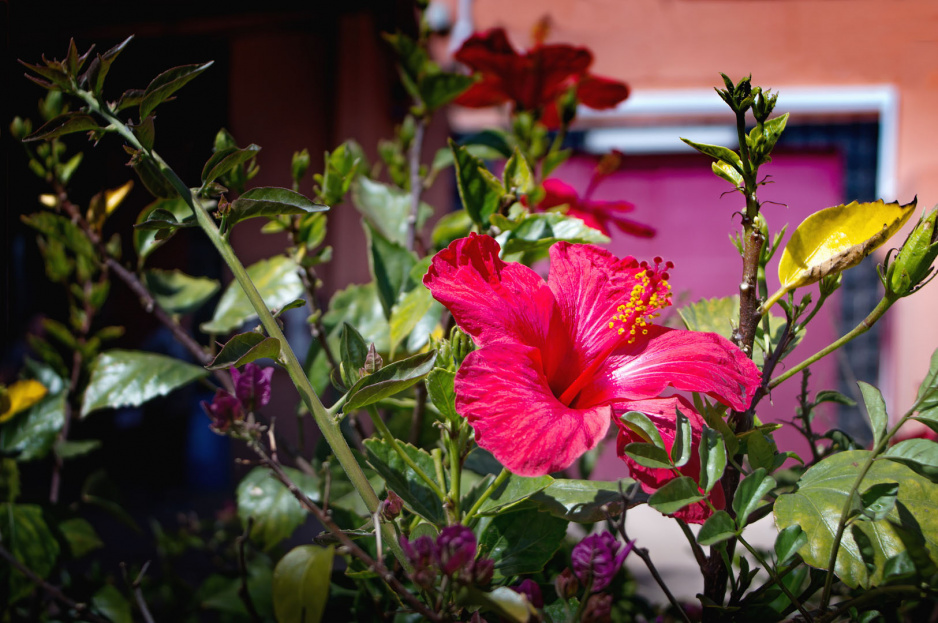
x=486 y=51
x=503 y=392
x=489 y=91
x=662 y=411
x=598 y=92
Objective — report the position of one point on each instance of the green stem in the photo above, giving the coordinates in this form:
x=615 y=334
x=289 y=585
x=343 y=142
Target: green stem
x=392 y=441
x=502 y=477
x=776 y=579
x=327 y=424
x=455 y=476
x=857 y=331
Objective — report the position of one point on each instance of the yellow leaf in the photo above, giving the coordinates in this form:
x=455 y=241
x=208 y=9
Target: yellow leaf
x=114 y=197
x=23 y=395
x=834 y=239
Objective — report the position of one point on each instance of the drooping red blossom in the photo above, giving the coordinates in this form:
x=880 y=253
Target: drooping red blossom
x=252 y=385
x=557 y=359
x=224 y=410
x=600 y=215
x=597 y=558
x=535 y=79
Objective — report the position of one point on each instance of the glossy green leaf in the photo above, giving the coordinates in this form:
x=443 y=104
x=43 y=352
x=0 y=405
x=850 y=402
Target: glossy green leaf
x=788 y=542
x=514 y=490
x=478 y=197
x=80 y=536
x=439 y=89
x=226 y=159
x=390 y=265
x=389 y=380
x=276 y=512
x=67 y=123
x=642 y=425
x=164 y=85
x=301 y=584
x=125 y=378
x=681 y=448
x=727 y=172
x=407 y=313
x=245 y=348
x=440 y=388
x=418 y=497
x=648 y=455
x=451 y=227
x=386 y=208
x=110 y=602
x=27 y=537
x=675 y=495
x=585 y=501
x=270 y=202
x=817 y=504
x=145 y=240
x=920 y=455
x=750 y=493
x=876 y=408
x=712 y=453
x=516 y=175
x=177 y=292
x=62 y=229
x=31 y=434
x=521 y=542
x=835 y=239
x=276 y=280
x=761 y=451
x=508 y=604
x=101 y=65
x=878 y=501
x=537 y=232
x=721 y=154
x=718 y=528
x=70 y=449
x=354 y=352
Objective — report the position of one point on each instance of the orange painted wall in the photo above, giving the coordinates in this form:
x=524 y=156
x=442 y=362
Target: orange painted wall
x=660 y=44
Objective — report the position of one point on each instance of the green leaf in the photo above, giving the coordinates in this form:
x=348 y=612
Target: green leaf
x=245 y=348
x=451 y=227
x=276 y=512
x=125 y=378
x=642 y=425
x=276 y=280
x=508 y=604
x=920 y=455
x=146 y=241
x=404 y=481
x=722 y=154
x=270 y=202
x=585 y=501
x=177 y=292
x=27 y=537
x=9 y=480
x=390 y=265
x=819 y=500
x=648 y=455
x=111 y=603
x=389 y=380
x=521 y=542
x=62 y=229
x=681 y=448
x=675 y=495
x=727 y=172
x=712 y=453
x=718 y=528
x=514 y=490
x=225 y=160
x=517 y=175
x=80 y=536
x=876 y=408
x=788 y=542
x=771 y=131
x=750 y=493
x=164 y=85
x=354 y=352
x=70 y=449
x=878 y=501
x=407 y=313
x=301 y=584
x=68 y=123
x=31 y=434
x=478 y=197
x=440 y=388
x=537 y=232
x=553 y=160
x=439 y=89
x=928 y=390
x=101 y=65
x=761 y=451
x=386 y=208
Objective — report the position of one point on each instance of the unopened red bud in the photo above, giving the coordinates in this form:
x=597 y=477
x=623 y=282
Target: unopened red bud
x=566 y=584
x=391 y=506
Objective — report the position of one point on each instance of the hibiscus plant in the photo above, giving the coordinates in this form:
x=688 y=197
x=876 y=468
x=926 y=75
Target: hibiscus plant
x=471 y=382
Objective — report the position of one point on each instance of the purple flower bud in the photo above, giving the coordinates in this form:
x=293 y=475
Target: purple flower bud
x=597 y=559
x=598 y=609
x=422 y=555
x=252 y=385
x=391 y=506
x=224 y=410
x=482 y=571
x=566 y=584
x=456 y=549
x=531 y=590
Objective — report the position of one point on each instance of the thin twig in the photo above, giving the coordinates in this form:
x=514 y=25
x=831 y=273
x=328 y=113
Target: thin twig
x=243 y=591
x=135 y=588
x=416 y=182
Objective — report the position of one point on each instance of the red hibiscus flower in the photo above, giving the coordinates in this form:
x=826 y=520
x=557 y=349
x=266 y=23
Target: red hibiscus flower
x=557 y=360
x=535 y=79
x=597 y=214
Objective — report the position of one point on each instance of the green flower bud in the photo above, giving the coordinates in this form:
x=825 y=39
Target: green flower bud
x=912 y=267
x=300 y=165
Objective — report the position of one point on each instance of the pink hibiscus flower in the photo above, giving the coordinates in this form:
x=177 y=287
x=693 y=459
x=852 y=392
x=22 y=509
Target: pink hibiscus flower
x=597 y=214
x=535 y=79
x=558 y=360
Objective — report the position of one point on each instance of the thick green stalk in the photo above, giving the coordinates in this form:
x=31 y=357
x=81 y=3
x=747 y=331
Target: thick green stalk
x=502 y=477
x=327 y=424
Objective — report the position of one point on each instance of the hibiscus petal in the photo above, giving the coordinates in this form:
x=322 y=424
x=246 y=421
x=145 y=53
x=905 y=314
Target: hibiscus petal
x=685 y=360
x=557 y=65
x=489 y=91
x=599 y=93
x=502 y=390
x=662 y=411
x=491 y=300
x=486 y=51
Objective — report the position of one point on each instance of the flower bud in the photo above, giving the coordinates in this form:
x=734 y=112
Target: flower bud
x=456 y=549
x=391 y=506
x=597 y=559
x=422 y=556
x=373 y=361
x=531 y=590
x=913 y=264
x=300 y=165
x=482 y=571
x=566 y=585
x=598 y=609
